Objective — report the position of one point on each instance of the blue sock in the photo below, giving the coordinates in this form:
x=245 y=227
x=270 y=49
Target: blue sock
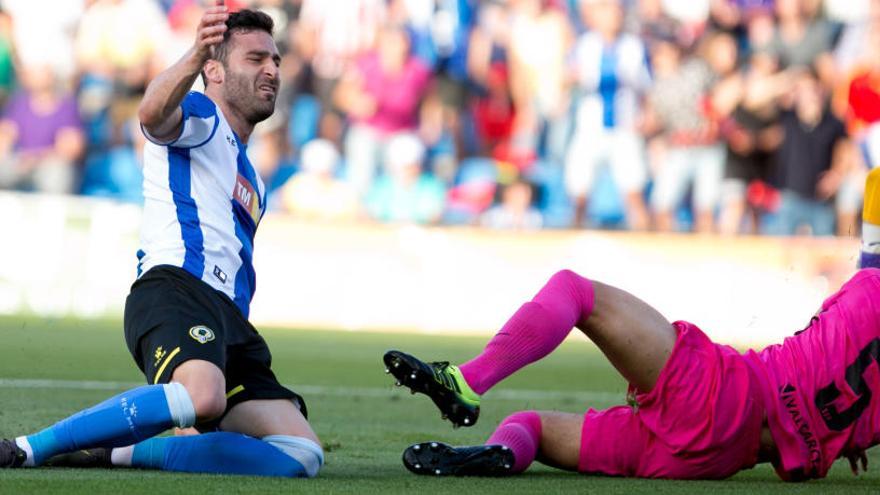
x=228 y=453
x=869 y=255
x=869 y=260
x=122 y=420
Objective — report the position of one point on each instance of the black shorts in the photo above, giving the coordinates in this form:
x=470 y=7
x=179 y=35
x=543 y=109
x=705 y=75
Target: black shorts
x=172 y=317
x=748 y=168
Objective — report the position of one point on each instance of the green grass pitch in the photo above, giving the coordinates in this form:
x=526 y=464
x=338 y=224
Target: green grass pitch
x=364 y=422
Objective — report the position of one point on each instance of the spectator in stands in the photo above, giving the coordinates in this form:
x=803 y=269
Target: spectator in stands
x=41 y=135
x=751 y=112
x=516 y=209
x=117 y=173
x=42 y=33
x=809 y=161
x=119 y=46
x=860 y=95
x=7 y=57
x=540 y=39
x=381 y=95
x=612 y=76
x=854 y=45
x=439 y=34
x=405 y=194
x=183 y=20
x=492 y=109
x=760 y=27
x=123 y=41
x=653 y=23
x=315 y=193
x=330 y=35
x=507 y=84
x=680 y=104
x=803 y=40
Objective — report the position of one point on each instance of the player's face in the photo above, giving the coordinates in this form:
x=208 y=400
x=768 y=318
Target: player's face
x=252 y=77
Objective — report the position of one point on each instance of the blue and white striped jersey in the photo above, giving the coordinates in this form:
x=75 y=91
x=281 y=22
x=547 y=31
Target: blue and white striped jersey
x=203 y=201
x=612 y=79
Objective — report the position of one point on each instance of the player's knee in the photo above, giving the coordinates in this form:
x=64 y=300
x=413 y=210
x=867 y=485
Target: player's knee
x=528 y=419
x=208 y=403
x=567 y=281
x=206 y=386
x=306 y=456
x=566 y=277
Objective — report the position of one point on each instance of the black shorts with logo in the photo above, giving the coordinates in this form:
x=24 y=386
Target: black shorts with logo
x=172 y=317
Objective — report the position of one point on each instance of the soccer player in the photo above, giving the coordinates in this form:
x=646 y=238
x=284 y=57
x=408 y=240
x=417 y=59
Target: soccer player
x=186 y=316
x=699 y=410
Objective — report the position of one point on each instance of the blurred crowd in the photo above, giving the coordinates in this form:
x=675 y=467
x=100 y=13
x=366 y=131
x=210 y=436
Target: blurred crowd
x=729 y=116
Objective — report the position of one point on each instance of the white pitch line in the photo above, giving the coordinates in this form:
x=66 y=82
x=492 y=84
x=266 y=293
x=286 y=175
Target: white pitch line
x=66 y=384
x=586 y=397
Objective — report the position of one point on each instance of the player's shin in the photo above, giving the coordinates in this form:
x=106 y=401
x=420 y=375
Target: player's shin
x=226 y=453
x=125 y=419
x=521 y=433
x=535 y=330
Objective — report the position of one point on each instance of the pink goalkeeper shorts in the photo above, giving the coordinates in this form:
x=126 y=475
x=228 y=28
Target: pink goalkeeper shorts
x=702 y=420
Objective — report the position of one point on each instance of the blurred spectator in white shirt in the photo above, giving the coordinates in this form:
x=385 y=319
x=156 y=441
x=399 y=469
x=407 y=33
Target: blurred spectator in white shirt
x=405 y=194
x=42 y=32
x=515 y=211
x=540 y=39
x=315 y=193
x=613 y=77
x=122 y=40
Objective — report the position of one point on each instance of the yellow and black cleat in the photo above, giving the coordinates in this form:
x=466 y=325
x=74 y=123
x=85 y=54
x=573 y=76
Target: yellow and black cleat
x=440 y=381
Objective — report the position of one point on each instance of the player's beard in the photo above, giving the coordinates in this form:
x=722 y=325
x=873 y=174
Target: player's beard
x=242 y=93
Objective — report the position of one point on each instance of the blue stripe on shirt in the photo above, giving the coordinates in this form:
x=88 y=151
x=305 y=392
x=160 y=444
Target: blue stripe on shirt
x=608 y=85
x=245 y=278
x=199 y=105
x=180 y=183
x=245 y=229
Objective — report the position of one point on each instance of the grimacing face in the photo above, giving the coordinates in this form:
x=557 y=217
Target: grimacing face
x=252 y=78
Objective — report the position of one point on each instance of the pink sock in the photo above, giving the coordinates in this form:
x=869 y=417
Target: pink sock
x=521 y=433
x=538 y=327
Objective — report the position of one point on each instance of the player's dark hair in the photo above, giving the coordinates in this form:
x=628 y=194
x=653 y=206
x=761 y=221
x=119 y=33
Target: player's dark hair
x=243 y=21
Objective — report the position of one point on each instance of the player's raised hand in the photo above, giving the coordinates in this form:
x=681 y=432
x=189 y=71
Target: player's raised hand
x=211 y=29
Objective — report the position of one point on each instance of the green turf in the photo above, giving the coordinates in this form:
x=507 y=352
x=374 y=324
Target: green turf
x=364 y=422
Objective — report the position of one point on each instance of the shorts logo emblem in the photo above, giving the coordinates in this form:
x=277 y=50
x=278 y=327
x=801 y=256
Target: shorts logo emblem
x=159 y=354
x=201 y=334
x=221 y=276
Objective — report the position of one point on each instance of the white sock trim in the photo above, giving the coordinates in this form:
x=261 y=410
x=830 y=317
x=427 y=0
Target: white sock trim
x=183 y=412
x=303 y=450
x=870 y=238
x=24 y=445
x=121 y=456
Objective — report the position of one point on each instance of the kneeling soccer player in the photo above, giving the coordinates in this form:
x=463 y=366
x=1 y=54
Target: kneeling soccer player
x=700 y=410
x=186 y=316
